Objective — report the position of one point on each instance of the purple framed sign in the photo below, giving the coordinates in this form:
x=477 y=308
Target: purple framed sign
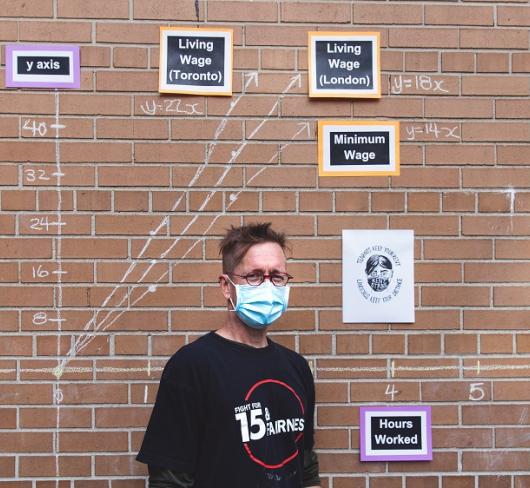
x=396 y=433
x=42 y=66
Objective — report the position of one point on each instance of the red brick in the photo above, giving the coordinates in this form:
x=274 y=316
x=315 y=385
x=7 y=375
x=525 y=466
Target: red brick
x=426 y=225
x=458 y=482
x=9 y=30
x=94 y=56
x=129 y=33
x=320 y=12
x=494 y=38
x=455 y=296
x=467 y=249
x=423 y=202
x=167 y=10
x=281 y=59
x=376 y=13
x=460 y=344
x=259 y=35
x=521 y=62
x=458 y=15
x=493 y=63
x=513 y=16
x=496 y=343
x=458 y=108
x=496 y=226
x=509 y=249
x=498 y=460
x=21 y=8
x=26 y=441
x=95 y=104
x=512 y=155
x=495 y=481
x=96 y=9
x=127 y=81
x=496 y=272
x=458 y=61
x=242 y=12
x=131 y=201
x=495 y=86
x=130 y=176
x=55 y=31
x=169 y=153
x=514 y=296
x=496 y=319
x=494 y=131
x=433 y=37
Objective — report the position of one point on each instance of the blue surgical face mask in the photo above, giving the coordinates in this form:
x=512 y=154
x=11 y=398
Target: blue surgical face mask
x=259 y=306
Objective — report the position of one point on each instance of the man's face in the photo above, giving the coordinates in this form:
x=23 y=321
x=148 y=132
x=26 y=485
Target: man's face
x=267 y=257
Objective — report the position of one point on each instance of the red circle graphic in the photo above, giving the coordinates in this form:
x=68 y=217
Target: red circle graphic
x=297 y=438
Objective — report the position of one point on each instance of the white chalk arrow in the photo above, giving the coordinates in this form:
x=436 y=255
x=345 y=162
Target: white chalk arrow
x=295 y=80
x=304 y=127
x=252 y=77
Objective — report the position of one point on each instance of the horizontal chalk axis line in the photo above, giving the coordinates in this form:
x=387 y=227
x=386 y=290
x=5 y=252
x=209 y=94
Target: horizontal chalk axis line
x=479 y=367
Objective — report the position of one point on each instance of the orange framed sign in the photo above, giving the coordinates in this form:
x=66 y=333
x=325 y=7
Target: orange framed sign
x=196 y=61
x=344 y=64
x=367 y=148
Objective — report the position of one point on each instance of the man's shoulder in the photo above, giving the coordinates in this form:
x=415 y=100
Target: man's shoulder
x=291 y=355
x=190 y=355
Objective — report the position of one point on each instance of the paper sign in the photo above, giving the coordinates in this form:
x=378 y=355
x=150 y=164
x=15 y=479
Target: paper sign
x=378 y=276
x=344 y=64
x=368 y=148
x=196 y=61
x=396 y=433
x=42 y=66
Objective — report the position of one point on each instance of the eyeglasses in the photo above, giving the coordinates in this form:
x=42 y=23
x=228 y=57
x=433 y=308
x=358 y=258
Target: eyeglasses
x=256 y=278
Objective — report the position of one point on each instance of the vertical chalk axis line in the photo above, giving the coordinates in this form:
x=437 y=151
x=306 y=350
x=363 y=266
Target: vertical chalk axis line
x=57 y=393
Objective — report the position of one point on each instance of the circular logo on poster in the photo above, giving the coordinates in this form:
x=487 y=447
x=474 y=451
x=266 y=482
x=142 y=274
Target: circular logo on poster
x=271 y=422
x=381 y=268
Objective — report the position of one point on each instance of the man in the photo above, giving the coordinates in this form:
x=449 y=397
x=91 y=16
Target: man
x=234 y=409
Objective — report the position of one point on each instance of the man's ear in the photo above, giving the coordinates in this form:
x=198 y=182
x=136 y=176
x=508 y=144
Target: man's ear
x=225 y=286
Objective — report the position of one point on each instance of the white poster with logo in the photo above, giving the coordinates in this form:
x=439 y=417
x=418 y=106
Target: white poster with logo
x=378 y=276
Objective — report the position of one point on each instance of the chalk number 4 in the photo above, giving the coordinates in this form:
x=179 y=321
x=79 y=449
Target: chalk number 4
x=391 y=390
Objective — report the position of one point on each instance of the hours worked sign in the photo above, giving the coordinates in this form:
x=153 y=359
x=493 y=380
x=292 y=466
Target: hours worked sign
x=344 y=64
x=196 y=61
x=348 y=148
x=396 y=433
x=42 y=66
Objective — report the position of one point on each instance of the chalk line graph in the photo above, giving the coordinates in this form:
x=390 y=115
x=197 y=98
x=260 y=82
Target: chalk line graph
x=92 y=326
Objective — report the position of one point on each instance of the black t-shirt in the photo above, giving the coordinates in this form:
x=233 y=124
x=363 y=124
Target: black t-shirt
x=232 y=415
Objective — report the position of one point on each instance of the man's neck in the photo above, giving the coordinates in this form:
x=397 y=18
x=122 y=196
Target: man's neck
x=235 y=330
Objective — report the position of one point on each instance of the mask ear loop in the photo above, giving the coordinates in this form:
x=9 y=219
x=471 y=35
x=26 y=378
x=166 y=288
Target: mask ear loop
x=230 y=298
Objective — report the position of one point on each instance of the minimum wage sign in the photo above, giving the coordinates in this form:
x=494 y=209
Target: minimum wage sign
x=347 y=148
x=196 y=61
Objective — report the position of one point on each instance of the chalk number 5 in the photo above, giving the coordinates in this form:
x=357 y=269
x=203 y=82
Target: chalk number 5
x=476 y=392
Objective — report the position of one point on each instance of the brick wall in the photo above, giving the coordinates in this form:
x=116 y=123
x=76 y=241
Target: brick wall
x=92 y=309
